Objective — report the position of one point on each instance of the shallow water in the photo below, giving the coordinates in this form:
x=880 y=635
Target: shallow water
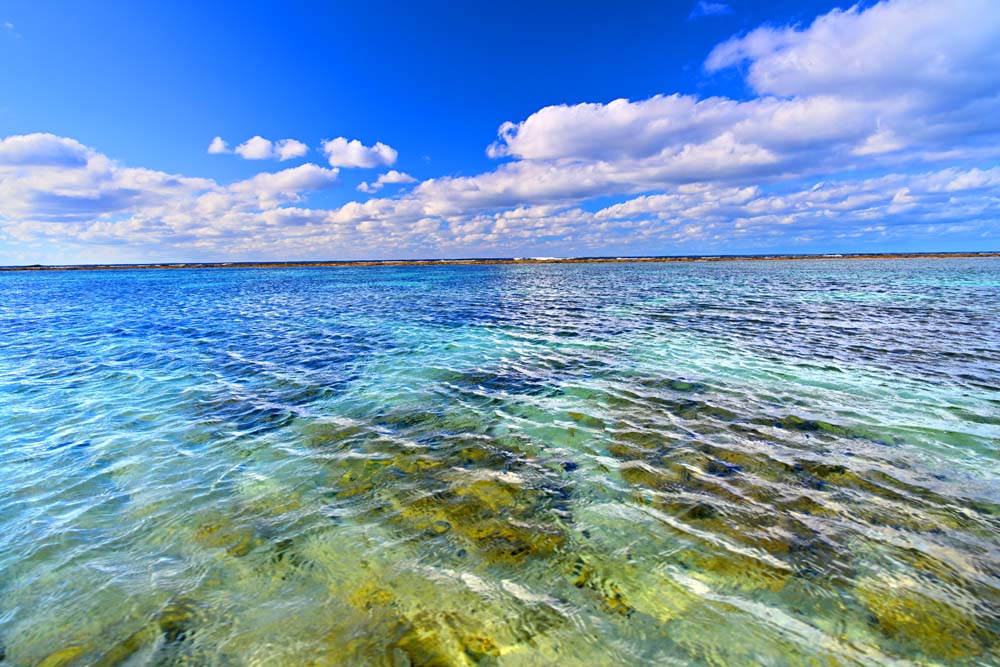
x=745 y=463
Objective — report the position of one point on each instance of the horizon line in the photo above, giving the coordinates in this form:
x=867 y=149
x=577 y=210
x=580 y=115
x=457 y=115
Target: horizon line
x=499 y=260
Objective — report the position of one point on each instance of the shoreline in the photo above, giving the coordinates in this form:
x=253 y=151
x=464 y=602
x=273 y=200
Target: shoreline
x=473 y=262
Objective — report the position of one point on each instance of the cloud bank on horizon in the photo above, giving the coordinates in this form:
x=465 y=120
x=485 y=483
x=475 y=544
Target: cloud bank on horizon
x=871 y=124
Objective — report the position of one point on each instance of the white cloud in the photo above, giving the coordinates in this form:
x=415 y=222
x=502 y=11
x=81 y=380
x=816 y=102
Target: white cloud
x=704 y=8
x=256 y=148
x=915 y=48
x=42 y=150
x=662 y=127
x=98 y=203
x=259 y=148
x=390 y=177
x=343 y=153
x=287 y=186
x=836 y=95
x=288 y=149
x=44 y=178
x=56 y=188
x=218 y=146
x=973 y=179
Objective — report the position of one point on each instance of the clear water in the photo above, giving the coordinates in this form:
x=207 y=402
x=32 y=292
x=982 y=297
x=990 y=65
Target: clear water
x=746 y=463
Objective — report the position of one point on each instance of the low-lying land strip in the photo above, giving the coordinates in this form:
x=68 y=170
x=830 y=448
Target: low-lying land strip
x=509 y=260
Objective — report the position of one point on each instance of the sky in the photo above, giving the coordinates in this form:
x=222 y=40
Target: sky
x=192 y=131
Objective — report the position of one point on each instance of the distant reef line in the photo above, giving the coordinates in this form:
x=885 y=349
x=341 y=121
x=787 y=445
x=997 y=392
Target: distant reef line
x=485 y=261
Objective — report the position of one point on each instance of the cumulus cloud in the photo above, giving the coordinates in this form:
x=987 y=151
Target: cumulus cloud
x=54 y=188
x=343 y=153
x=390 y=177
x=833 y=96
x=101 y=203
x=259 y=148
x=218 y=146
x=664 y=127
x=290 y=148
x=42 y=150
x=287 y=186
x=44 y=178
x=921 y=121
x=915 y=48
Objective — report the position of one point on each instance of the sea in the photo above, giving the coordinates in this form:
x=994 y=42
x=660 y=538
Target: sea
x=726 y=463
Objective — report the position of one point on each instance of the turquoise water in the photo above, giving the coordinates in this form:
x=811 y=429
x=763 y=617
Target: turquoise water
x=726 y=463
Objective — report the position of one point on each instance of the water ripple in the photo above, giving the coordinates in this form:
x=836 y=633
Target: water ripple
x=682 y=464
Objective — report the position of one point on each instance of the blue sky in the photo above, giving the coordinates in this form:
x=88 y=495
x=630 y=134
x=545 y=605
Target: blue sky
x=385 y=130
